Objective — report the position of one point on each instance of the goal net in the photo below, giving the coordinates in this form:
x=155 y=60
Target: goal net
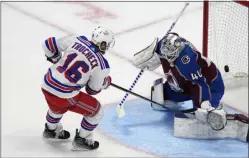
x=225 y=39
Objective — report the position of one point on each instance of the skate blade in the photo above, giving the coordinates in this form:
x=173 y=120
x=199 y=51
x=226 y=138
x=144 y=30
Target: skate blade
x=76 y=148
x=55 y=140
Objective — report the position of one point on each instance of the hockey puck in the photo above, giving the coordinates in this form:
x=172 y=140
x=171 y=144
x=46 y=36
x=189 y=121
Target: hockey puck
x=226 y=68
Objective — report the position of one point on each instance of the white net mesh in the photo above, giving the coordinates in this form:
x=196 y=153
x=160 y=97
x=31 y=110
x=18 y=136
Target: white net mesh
x=228 y=39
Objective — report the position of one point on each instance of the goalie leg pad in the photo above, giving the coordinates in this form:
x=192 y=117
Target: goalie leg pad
x=157 y=94
x=192 y=128
x=242 y=131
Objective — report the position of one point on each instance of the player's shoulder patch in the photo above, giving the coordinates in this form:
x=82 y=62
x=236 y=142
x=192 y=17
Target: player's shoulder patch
x=185 y=59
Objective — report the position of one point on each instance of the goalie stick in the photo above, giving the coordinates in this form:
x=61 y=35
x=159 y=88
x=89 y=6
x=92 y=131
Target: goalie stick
x=120 y=109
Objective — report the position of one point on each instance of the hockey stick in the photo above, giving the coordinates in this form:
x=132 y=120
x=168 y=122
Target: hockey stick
x=120 y=108
x=149 y=100
x=239 y=117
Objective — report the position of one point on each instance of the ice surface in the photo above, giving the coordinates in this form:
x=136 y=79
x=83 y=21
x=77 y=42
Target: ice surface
x=26 y=25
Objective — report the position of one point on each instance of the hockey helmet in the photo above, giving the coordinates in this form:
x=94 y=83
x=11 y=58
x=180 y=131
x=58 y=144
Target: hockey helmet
x=103 y=38
x=171 y=47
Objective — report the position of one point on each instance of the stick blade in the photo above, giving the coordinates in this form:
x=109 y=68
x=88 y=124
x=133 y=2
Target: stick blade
x=120 y=111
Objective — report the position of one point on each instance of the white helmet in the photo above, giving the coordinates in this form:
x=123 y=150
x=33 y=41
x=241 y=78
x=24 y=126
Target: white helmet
x=103 y=38
x=171 y=47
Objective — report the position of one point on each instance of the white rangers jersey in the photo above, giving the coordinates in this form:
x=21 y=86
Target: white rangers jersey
x=81 y=65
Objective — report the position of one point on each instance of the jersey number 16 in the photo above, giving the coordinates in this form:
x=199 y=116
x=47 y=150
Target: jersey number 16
x=74 y=72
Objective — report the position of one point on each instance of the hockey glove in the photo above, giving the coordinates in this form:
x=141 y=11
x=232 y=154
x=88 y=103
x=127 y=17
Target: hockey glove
x=54 y=59
x=107 y=82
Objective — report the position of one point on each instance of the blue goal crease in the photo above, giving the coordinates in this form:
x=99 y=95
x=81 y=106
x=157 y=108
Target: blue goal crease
x=152 y=131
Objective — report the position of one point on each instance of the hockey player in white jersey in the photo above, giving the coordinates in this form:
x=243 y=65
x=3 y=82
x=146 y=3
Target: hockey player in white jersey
x=77 y=63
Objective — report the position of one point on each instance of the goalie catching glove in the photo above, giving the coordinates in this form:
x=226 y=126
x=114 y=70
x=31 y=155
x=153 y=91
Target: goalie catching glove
x=147 y=58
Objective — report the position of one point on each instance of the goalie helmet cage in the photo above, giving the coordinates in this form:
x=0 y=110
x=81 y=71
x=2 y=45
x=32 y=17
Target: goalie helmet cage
x=225 y=39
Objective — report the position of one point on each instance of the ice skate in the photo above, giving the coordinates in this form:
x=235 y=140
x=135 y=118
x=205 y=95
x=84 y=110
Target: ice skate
x=84 y=144
x=56 y=134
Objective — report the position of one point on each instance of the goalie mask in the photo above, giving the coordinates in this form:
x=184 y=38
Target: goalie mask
x=103 y=38
x=171 y=47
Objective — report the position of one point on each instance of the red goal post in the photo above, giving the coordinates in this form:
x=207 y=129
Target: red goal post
x=225 y=38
